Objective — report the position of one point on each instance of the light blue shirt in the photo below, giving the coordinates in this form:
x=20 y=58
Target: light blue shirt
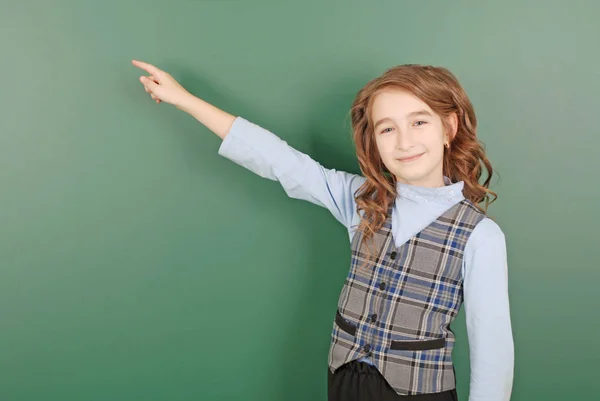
x=485 y=279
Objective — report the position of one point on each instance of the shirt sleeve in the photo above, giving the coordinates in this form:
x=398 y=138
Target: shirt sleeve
x=487 y=314
x=268 y=156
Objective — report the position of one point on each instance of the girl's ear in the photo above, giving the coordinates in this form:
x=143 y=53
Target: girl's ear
x=453 y=123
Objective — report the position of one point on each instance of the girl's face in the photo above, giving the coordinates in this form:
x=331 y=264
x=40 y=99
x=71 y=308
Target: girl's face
x=410 y=138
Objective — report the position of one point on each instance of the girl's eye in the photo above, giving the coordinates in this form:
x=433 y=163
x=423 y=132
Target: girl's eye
x=424 y=122
x=385 y=130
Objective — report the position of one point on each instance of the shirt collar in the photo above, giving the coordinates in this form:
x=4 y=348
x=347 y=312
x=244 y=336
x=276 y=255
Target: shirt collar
x=449 y=193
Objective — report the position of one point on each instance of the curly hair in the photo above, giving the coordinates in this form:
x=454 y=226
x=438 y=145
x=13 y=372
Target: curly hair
x=463 y=160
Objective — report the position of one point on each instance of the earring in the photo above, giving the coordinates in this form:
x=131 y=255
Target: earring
x=447 y=144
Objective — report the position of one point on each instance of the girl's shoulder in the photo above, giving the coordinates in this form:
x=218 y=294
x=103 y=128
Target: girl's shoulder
x=486 y=233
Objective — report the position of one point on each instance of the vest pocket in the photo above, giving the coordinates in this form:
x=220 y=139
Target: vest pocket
x=418 y=345
x=344 y=325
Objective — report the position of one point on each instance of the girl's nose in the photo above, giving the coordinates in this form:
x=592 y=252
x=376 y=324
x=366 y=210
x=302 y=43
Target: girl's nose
x=403 y=140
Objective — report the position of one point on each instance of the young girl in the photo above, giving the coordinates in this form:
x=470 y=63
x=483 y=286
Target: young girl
x=421 y=244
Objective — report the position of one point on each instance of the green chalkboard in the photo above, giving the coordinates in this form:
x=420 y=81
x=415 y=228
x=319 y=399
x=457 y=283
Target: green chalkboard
x=138 y=264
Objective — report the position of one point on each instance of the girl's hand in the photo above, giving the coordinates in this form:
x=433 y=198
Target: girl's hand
x=161 y=86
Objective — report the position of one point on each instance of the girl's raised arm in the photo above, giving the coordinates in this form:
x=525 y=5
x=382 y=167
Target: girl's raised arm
x=162 y=87
x=261 y=151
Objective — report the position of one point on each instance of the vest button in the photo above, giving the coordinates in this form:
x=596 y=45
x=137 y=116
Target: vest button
x=373 y=317
x=393 y=255
x=382 y=286
x=367 y=348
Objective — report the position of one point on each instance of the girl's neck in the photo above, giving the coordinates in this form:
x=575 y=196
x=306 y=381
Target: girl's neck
x=431 y=183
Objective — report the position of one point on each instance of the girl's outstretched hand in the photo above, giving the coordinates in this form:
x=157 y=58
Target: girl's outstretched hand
x=161 y=86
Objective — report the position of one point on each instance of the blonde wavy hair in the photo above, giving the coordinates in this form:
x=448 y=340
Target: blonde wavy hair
x=464 y=160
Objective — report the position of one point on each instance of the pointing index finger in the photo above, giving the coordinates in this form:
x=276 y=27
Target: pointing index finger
x=148 y=67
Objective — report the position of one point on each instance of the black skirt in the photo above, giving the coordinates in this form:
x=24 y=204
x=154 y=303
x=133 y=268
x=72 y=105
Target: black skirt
x=360 y=381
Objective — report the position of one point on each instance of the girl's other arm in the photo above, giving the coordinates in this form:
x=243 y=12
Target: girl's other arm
x=487 y=312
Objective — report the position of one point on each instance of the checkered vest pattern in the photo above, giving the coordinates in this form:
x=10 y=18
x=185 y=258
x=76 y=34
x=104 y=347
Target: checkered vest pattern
x=398 y=309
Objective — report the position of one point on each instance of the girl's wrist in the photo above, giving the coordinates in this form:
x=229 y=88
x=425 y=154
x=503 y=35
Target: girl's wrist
x=186 y=103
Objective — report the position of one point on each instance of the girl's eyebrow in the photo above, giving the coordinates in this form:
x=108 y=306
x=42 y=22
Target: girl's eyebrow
x=418 y=113
x=411 y=114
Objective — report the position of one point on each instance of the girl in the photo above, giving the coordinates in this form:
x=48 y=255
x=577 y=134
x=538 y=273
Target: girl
x=421 y=244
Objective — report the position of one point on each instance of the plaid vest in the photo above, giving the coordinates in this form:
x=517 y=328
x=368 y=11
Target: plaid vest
x=397 y=310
